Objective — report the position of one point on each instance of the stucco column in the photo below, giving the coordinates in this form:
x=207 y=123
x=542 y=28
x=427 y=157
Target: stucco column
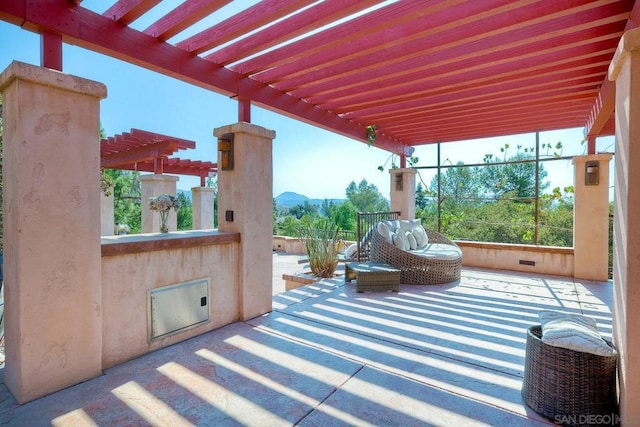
x=107 y=225
x=151 y=186
x=52 y=260
x=591 y=217
x=202 y=205
x=245 y=205
x=403 y=192
x=625 y=71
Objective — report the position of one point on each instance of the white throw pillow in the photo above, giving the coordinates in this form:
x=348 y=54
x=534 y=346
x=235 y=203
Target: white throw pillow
x=403 y=236
x=421 y=236
x=350 y=252
x=413 y=244
x=574 y=332
x=410 y=224
x=384 y=232
x=398 y=241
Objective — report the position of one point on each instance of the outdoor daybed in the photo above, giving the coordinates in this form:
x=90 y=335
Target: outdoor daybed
x=422 y=255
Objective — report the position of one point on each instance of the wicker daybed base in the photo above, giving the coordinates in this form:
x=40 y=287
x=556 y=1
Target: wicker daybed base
x=415 y=269
x=566 y=385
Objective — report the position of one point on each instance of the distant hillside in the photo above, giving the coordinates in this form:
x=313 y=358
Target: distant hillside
x=289 y=199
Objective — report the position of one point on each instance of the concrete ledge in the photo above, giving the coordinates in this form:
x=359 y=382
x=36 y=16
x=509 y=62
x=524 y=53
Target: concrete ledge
x=293 y=281
x=151 y=242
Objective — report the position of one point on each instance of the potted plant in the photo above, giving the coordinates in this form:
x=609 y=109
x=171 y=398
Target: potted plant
x=322 y=242
x=163 y=204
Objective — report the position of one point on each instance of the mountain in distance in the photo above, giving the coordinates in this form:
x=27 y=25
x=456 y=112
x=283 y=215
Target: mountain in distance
x=290 y=199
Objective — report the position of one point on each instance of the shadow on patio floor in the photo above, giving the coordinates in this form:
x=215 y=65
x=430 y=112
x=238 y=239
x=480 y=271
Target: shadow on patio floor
x=429 y=355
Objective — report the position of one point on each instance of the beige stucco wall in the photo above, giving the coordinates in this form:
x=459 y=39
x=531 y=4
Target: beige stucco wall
x=202 y=204
x=51 y=173
x=153 y=185
x=107 y=225
x=591 y=220
x=403 y=192
x=127 y=278
x=548 y=260
x=246 y=192
x=625 y=70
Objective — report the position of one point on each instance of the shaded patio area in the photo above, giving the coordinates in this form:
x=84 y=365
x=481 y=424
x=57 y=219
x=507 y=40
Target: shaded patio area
x=429 y=355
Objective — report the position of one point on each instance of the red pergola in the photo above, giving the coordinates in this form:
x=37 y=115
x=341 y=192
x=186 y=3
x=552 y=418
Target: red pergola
x=422 y=71
x=140 y=150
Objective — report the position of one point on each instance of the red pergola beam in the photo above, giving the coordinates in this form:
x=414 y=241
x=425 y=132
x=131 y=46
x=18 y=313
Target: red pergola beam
x=89 y=30
x=310 y=19
x=600 y=119
x=449 y=47
x=183 y=16
x=127 y=11
x=248 y=20
x=138 y=154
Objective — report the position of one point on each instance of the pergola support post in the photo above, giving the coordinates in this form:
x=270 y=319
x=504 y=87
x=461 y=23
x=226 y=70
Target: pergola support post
x=52 y=260
x=403 y=192
x=107 y=224
x=202 y=205
x=591 y=217
x=625 y=71
x=245 y=206
x=151 y=186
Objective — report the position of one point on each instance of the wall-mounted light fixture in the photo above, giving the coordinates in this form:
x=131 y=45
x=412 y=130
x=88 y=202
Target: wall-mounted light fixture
x=225 y=152
x=592 y=173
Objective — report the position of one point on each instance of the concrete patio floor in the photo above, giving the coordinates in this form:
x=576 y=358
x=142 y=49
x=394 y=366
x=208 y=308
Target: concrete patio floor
x=446 y=355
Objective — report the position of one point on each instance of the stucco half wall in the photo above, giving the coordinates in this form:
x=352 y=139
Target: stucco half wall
x=133 y=265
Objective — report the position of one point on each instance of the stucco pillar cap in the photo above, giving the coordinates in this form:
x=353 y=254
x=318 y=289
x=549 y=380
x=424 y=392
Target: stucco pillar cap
x=52 y=78
x=244 y=127
x=403 y=170
x=604 y=157
x=158 y=177
x=629 y=42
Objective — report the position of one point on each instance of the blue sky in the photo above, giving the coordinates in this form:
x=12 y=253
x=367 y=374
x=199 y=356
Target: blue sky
x=306 y=159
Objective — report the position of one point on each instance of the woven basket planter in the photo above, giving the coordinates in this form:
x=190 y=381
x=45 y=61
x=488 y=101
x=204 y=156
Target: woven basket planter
x=568 y=386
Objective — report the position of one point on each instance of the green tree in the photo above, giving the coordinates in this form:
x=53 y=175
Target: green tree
x=126 y=198
x=185 y=213
x=344 y=216
x=303 y=209
x=327 y=208
x=366 y=197
x=421 y=196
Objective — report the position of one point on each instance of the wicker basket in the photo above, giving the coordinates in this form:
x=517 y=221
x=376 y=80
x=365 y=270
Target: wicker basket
x=567 y=386
x=415 y=269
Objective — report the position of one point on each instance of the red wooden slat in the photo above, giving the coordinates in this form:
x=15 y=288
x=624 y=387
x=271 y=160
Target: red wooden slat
x=300 y=23
x=248 y=20
x=448 y=46
x=183 y=16
x=369 y=25
x=127 y=11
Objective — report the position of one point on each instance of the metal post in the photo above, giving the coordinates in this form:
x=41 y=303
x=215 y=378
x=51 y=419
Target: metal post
x=537 y=198
x=439 y=193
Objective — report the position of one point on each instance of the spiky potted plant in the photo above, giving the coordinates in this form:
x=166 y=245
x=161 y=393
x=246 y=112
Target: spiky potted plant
x=321 y=241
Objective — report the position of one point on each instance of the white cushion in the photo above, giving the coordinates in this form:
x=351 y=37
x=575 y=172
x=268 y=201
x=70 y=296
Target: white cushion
x=398 y=241
x=421 y=236
x=410 y=224
x=412 y=241
x=574 y=332
x=393 y=224
x=350 y=252
x=384 y=231
x=439 y=251
x=404 y=238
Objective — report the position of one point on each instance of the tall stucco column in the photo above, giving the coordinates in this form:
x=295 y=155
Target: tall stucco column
x=245 y=205
x=625 y=71
x=591 y=217
x=403 y=192
x=52 y=258
x=202 y=205
x=151 y=186
x=107 y=225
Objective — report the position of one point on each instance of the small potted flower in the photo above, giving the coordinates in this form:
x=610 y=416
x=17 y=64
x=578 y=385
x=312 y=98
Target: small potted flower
x=163 y=204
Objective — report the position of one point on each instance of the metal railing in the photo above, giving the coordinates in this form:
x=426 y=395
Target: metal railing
x=365 y=223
